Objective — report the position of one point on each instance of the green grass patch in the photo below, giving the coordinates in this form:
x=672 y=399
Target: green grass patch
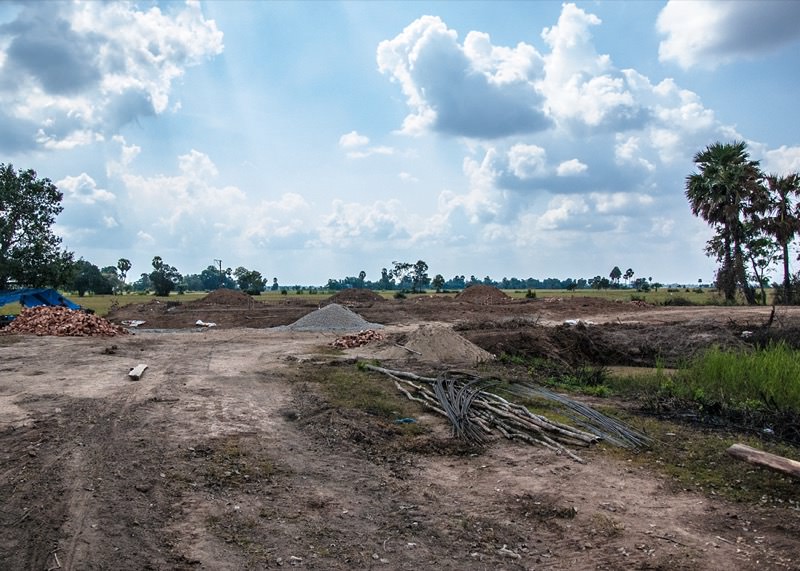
x=347 y=387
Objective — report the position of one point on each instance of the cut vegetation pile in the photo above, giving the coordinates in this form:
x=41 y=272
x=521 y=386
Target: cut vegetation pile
x=62 y=322
x=333 y=317
x=482 y=295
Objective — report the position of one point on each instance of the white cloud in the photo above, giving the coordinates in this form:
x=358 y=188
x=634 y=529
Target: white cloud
x=527 y=161
x=474 y=90
x=708 y=33
x=407 y=177
x=352 y=224
x=571 y=167
x=782 y=161
x=82 y=189
x=82 y=70
x=353 y=139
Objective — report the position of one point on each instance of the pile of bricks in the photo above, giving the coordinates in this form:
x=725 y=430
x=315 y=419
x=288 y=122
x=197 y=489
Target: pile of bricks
x=357 y=339
x=62 y=322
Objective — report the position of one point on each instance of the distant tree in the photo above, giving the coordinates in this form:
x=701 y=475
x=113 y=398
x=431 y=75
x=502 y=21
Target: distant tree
x=111 y=274
x=615 y=274
x=164 y=278
x=124 y=266
x=87 y=278
x=362 y=275
x=30 y=253
x=572 y=286
x=401 y=272
x=275 y=285
x=419 y=276
x=628 y=275
x=386 y=280
x=250 y=281
x=596 y=281
x=438 y=282
x=604 y=283
x=657 y=285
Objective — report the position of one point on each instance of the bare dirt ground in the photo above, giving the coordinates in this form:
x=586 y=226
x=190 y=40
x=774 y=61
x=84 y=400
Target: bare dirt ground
x=226 y=455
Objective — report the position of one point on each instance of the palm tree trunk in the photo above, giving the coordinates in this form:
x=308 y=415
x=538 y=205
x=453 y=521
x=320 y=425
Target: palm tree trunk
x=787 y=287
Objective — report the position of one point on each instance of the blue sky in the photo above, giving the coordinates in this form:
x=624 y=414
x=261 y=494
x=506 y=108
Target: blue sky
x=315 y=140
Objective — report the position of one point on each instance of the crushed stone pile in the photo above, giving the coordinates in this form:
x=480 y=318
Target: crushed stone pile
x=63 y=322
x=482 y=295
x=225 y=296
x=333 y=317
x=355 y=295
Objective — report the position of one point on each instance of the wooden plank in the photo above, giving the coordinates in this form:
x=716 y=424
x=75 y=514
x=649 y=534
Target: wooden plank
x=137 y=372
x=760 y=458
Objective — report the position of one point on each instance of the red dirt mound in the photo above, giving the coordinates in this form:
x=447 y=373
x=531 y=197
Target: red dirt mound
x=354 y=295
x=62 y=322
x=225 y=296
x=482 y=295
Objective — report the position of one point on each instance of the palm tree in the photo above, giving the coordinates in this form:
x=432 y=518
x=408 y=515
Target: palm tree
x=784 y=219
x=726 y=188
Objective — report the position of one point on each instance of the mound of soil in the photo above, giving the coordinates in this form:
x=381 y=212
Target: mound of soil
x=224 y=296
x=432 y=344
x=62 y=322
x=333 y=317
x=355 y=295
x=482 y=295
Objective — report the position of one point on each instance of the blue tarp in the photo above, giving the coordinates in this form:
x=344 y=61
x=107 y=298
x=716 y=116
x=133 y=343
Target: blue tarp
x=31 y=297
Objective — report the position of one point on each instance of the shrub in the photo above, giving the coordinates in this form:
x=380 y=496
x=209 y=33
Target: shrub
x=530 y=294
x=399 y=295
x=678 y=301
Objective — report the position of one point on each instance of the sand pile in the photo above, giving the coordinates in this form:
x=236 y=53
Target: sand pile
x=482 y=295
x=355 y=295
x=431 y=344
x=332 y=317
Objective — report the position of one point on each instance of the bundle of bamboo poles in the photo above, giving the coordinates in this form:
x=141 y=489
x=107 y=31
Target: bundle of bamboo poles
x=475 y=412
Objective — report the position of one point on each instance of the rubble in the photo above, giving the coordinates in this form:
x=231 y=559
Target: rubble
x=62 y=322
x=357 y=339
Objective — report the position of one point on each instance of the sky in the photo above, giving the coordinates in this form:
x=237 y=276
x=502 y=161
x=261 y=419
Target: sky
x=314 y=140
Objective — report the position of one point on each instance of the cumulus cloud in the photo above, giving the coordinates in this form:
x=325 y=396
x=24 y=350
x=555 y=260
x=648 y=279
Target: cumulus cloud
x=474 y=89
x=708 y=33
x=353 y=223
x=82 y=189
x=356 y=146
x=73 y=73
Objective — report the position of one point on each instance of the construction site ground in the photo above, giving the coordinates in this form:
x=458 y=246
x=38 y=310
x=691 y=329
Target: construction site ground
x=227 y=454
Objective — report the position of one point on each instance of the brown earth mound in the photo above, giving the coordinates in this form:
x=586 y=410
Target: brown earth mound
x=354 y=295
x=482 y=295
x=431 y=344
x=224 y=296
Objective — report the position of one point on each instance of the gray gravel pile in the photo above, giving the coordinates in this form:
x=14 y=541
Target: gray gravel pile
x=332 y=317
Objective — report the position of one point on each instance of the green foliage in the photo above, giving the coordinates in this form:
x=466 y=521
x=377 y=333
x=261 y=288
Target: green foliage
x=250 y=281
x=88 y=278
x=164 y=278
x=30 y=254
x=530 y=294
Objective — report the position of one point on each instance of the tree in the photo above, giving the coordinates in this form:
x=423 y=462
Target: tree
x=783 y=219
x=362 y=275
x=724 y=193
x=401 y=272
x=438 y=282
x=250 y=281
x=419 y=276
x=386 y=279
x=615 y=274
x=164 y=277
x=30 y=254
x=124 y=266
x=88 y=278
x=275 y=285
x=628 y=275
